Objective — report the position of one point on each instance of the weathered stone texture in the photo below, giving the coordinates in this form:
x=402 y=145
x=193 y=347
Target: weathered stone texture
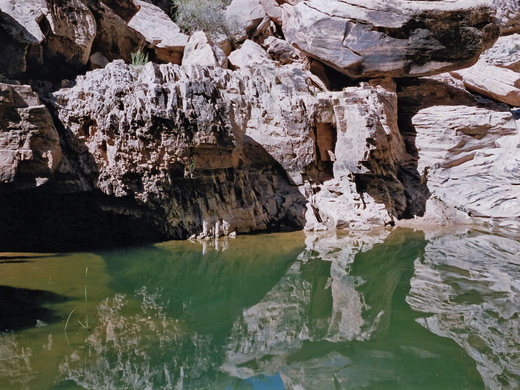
x=162 y=35
x=469 y=151
x=166 y=137
x=401 y=38
x=30 y=148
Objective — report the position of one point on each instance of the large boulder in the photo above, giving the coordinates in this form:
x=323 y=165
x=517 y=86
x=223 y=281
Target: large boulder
x=397 y=39
x=19 y=33
x=200 y=50
x=273 y=9
x=497 y=83
x=244 y=16
x=249 y=54
x=30 y=150
x=72 y=32
x=162 y=35
x=114 y=38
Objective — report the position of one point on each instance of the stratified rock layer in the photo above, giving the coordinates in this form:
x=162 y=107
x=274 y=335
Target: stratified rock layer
x=468 y=150
x=398 y=38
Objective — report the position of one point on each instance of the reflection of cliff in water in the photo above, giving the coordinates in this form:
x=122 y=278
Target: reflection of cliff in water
x=170 y=328
x=344 y=323
x=24 y=308
x=371 y=311
x=471 y=285
x=15 y=363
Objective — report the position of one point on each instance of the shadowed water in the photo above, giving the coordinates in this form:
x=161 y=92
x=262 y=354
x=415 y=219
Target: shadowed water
x=395 y=309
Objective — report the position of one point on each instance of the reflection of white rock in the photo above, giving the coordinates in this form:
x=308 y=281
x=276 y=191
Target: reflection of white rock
x=15 y=363
x=275 y=326
x=346 y=322
x=143 y=350
x=268 y=332
x=474 y=300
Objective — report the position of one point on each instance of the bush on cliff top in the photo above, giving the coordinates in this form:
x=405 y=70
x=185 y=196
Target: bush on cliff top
x=206 y=15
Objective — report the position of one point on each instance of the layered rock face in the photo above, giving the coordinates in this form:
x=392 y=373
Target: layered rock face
x=307 y=127
x=402 y=38
x=30 y=148
x=467 y=149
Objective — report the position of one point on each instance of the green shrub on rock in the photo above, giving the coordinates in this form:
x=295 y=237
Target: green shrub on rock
x=206 y=15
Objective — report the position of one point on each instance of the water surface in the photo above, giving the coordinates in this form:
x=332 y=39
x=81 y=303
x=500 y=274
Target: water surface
x=398 y=309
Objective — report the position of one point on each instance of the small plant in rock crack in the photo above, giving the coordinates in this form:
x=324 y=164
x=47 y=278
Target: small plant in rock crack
x=85 y=325
x=190 y=168
x=138 y=58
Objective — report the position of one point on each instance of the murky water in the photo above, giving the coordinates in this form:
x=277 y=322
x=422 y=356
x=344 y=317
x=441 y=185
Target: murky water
x=381 y=310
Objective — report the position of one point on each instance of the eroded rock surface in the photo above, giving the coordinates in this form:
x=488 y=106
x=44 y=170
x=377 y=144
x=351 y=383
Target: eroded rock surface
x=401 y=38
x=468 y=149
x=164 y=136
x=162 y=35
x=493 y=82
x=508 y=14
x=30 y=148
x=200 y=50
x=367 y=157
x=504 y=53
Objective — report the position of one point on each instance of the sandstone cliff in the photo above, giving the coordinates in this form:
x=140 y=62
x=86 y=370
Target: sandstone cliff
x=325 y=115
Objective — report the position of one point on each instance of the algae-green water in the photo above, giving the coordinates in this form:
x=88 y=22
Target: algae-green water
x=397 y=309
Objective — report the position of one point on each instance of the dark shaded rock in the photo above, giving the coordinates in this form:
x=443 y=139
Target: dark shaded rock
x=395 y=39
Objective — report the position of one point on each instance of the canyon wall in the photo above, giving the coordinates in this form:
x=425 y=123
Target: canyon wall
x=316 y=116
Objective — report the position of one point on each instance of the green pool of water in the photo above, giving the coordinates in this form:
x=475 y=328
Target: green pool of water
x=395 y=309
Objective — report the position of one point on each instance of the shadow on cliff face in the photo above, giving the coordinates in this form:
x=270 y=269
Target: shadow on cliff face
x=70 y=213
x=416 y=96
x=415 y=182
x=41 y=220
